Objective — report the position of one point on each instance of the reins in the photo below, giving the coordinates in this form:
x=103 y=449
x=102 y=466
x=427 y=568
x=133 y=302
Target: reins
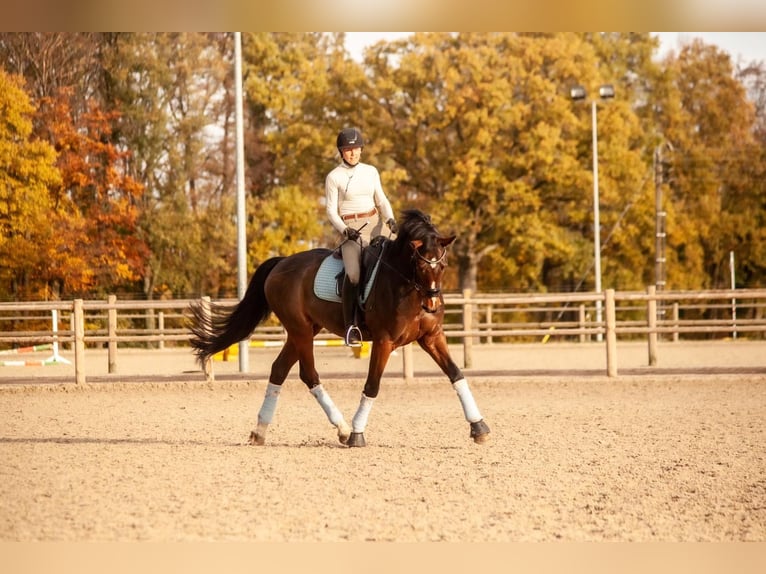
x=430 y=293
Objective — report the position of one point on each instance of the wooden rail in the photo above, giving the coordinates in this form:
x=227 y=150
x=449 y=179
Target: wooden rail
x=470 y=319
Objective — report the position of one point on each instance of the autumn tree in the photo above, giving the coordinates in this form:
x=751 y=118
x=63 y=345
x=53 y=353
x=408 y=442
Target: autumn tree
x=177 y=119
x=485 y=137
x=96 y=204
x=301 y=90
x=27 y=171
x=751 y=197
x=94 y=207
x=476 y=129
x=716 y=191
x=52 y=61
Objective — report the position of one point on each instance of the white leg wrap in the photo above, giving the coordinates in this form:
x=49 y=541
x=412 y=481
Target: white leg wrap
x=470 y=408
x=327 y=405
x=266 y=414
x=359 y=422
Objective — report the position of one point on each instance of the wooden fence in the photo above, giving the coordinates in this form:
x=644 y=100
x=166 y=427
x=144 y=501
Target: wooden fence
x=471 y=319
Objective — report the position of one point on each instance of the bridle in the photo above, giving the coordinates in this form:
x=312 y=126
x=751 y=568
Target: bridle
x=432 y=262
x=426 y=292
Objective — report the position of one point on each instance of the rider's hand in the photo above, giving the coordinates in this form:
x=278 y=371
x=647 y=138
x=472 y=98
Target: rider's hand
x=392 y=225
x=351 y=233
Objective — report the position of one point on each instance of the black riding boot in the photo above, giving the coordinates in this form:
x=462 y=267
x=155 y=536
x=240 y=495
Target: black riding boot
x=353 y=336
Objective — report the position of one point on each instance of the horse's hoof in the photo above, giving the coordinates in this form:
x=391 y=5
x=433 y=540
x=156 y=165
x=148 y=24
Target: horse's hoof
x=344 y=432
x=480 y=432
x=256 y=439
x=356 y=439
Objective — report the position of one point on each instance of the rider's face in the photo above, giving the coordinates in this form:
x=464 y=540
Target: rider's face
x=351 y=155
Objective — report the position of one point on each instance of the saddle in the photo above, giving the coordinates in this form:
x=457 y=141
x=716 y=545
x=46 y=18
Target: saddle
x=328 y=281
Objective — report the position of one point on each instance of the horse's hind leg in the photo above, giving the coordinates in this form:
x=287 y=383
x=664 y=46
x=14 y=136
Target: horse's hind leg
x=310 y=377
x=266 y=414
x=279 y=369
x=333 y=414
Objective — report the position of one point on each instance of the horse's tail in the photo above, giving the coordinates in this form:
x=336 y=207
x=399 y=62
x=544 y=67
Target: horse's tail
x=217 y=327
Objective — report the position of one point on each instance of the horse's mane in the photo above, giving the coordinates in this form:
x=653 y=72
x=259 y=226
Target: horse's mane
x=415 y=225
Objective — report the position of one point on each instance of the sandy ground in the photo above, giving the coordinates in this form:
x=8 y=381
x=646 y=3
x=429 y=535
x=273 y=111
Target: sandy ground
x=667 y=453
x=652 y=455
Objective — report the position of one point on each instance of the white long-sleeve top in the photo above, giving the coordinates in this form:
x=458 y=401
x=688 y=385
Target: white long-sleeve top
x=355 y=189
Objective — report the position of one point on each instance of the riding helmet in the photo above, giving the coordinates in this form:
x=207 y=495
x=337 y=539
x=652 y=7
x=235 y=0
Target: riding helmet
x=349 y=137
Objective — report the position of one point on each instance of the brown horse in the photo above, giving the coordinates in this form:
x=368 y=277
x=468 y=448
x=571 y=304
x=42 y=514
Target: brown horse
x=404 y=304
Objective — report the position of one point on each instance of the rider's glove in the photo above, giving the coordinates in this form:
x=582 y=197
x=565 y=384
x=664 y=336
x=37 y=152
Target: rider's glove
x=351 y=233
x=392 y=225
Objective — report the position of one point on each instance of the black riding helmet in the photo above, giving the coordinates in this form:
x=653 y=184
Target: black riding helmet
x=349 y=137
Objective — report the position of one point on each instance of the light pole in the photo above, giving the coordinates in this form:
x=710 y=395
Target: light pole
x=606 y=91
x=244 y=363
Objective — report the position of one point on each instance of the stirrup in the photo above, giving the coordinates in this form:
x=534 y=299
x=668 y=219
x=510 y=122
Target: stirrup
x=353 y=337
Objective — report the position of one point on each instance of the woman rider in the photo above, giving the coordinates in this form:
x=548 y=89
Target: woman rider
x=357 y=208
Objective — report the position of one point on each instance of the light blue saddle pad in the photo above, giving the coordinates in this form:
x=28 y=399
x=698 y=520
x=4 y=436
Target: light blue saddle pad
x=325 y=282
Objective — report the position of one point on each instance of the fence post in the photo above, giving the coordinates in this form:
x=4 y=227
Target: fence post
x=207 y=368
x=79 y=342
x=675 y=321
x=611 y=335
x=161 y=327
x=112 y=328
x=407 y=363
x=651 y=321
x=467 y=326
x=581 y=319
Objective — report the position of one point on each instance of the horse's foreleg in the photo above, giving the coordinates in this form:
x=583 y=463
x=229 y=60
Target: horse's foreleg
x=437 y=348
x=359 y=422
x=310 y=377
x=381 y=351
x=479 y=429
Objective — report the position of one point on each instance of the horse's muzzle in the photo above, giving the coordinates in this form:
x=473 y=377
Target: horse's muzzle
x=432 y=302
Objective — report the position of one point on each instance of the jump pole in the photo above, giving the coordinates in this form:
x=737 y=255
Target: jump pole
x=55 y=357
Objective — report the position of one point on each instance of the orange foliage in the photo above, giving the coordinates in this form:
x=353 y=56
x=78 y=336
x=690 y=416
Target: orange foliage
x=96 y=206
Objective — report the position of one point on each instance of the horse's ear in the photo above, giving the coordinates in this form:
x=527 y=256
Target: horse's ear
x=444 y=241
x=416 y=244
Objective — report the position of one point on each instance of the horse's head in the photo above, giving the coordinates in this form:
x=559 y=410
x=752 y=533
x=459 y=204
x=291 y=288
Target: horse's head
x=429 y=255
x=430 y=260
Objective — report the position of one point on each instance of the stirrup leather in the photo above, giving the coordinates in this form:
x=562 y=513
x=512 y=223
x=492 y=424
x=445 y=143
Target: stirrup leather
x=353 y=336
